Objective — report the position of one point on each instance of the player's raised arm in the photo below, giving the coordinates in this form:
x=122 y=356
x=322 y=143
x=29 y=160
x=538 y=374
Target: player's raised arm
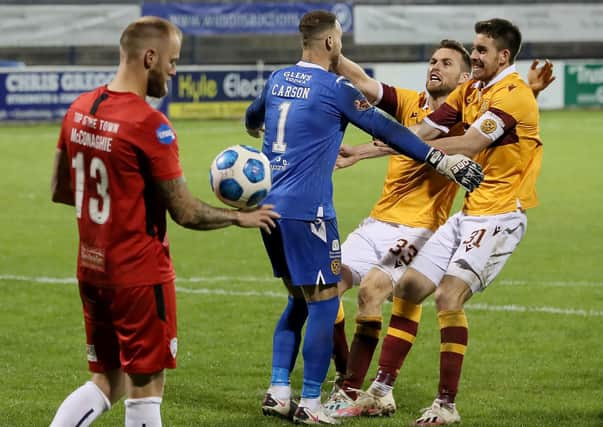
x=370 y=87
x=193 y=213
x=358 y=111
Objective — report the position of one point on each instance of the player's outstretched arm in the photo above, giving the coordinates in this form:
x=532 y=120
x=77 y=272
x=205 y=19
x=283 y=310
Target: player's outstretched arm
x=349 y=155
x=193 y=213
x=370 y=87
x=353 y=105
x=60 y=185
x=539 y=78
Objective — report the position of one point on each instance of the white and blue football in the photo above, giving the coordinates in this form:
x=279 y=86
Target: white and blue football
x=240 y=176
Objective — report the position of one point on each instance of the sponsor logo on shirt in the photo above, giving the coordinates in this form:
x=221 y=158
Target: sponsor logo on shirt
x=91 y=353
x=165 y=134
x=174 y=347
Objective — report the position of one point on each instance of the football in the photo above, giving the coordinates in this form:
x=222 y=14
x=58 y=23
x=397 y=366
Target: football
x=240 y=176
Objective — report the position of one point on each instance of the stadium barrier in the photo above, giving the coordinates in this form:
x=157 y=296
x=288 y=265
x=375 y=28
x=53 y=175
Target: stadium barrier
x=204 y=92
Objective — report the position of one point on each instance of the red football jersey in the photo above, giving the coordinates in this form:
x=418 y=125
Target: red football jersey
x=118 y=145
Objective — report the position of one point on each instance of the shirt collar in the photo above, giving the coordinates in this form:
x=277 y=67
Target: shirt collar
x=504 y=73
x=309 y=65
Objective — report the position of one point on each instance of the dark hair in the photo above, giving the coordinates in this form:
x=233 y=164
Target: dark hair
x=455 y=45
x=140 y=31
x=312 y=24
x=505 y=34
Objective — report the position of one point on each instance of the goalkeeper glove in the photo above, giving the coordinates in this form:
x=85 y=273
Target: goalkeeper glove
x=457 y=167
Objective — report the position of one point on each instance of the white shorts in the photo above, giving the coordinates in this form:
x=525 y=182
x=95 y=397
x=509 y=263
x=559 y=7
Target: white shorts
x=387 y=246
x=472 y=248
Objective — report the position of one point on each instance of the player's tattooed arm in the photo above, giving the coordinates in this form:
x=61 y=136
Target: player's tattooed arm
x=60 y=186
x=191 y=212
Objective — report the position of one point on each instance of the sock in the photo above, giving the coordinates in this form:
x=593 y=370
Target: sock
x=340 y=342
x=312 y=403
x=81 y=407
x=282 y=392
x=286 y=340
x=454 y=335
x=366 y=338
x=318 y=345
x=143 y=412
x=401 y=334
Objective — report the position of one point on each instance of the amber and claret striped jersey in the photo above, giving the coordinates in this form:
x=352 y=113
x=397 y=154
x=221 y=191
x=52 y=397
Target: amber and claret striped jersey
x=118 y=146
x=414 y=194
x=506 y=111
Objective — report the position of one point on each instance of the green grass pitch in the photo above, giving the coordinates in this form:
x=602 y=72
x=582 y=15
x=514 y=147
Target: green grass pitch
x=535 y=341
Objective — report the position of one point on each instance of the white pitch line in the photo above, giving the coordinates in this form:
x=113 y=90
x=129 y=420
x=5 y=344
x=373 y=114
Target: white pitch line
x=553 y=283
x=267 y=279
x=274 y=294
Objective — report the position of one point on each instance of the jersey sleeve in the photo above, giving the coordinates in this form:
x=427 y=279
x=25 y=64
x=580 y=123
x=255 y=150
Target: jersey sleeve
x=357 y=110
x=396 y=102
x=62 y=141
x=505 y=110
x=160 y=145
x=256 y=112
x=449 y=113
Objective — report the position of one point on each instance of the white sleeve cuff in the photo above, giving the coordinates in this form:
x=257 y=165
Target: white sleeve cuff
x=379 y=94
x=431 y=123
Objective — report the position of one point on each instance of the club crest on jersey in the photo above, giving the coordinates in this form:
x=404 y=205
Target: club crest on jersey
x=488 y=126
x=484 y=107
x=362 y=104
x=336 y=266
x=165 y=134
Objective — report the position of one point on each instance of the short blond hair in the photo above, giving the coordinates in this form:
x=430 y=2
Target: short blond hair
x=137 y=35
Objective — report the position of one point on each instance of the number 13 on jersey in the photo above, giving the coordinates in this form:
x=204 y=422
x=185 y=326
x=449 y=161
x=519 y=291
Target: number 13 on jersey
x=98 y=207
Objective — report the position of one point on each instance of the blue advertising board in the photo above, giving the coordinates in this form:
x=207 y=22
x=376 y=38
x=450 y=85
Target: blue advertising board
x=208 y=94
x=44 y=94
x=214 y=94
x=30 y=94
x=244 y=18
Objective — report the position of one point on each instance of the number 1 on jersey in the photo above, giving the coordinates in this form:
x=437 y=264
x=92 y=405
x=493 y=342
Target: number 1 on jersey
x=279 y=146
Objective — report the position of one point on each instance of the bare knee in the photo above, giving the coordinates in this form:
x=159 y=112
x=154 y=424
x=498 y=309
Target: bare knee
x=414 y=287
x=452 y=294
x=111 y=383
x=374 y=290
x=145 y=385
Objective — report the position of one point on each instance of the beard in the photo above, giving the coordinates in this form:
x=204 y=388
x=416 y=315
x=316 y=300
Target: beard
x=439 y=91
x=156 y=85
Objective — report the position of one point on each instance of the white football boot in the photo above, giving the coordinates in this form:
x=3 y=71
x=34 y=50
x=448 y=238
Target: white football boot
x=438 y=414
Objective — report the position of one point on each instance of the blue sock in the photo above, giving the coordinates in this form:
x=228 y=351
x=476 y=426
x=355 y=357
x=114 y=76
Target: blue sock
x=318 y=345
x=286 y=340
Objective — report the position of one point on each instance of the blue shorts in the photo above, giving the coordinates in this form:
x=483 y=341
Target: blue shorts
x=305 y=252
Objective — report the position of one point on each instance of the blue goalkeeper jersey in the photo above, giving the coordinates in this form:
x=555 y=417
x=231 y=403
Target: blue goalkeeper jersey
x=305 y=110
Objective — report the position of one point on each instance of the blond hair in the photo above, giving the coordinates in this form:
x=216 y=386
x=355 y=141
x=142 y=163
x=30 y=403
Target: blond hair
x=135 y=38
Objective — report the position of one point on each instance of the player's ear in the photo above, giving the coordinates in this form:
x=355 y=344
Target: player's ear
x=505 y=56
x=150 y=56
x=329 y=43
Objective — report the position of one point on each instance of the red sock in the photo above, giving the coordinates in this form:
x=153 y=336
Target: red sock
x=366 y=338
x=454 y=334
x=401 y=334
x=340 y=342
